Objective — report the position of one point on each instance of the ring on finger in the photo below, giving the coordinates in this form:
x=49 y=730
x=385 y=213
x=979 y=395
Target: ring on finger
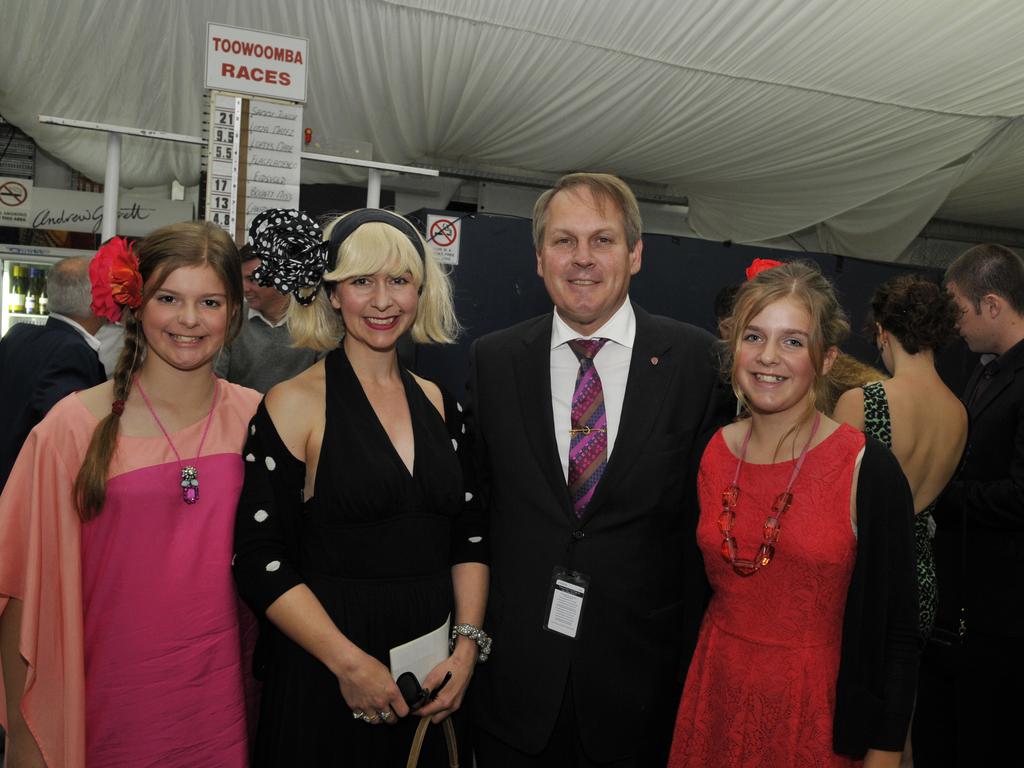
x=358 y=714
x=372 y=718
x=385 y=716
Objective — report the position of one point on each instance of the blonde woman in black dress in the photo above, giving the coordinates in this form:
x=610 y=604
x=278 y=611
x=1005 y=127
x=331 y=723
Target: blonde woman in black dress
x=357 y=529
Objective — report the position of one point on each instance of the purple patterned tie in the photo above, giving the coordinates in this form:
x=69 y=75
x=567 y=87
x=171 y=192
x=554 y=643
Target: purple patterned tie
x=588 y=448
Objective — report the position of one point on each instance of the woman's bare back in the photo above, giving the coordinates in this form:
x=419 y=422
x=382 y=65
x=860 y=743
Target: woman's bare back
x=929 y=433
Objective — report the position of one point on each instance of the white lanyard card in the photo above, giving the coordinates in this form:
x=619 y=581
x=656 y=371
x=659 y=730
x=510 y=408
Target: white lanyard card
x=565 y=601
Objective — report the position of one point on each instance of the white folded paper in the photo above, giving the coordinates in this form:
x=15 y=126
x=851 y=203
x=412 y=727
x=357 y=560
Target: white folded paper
x=421 y=655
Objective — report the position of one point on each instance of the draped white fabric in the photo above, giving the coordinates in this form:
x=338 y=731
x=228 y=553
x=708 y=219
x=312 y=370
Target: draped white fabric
x=864 y=119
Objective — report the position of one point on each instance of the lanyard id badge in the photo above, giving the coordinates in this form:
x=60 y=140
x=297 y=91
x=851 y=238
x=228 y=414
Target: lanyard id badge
x=565 y=601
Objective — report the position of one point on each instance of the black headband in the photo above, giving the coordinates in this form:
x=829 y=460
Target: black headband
x=356 y=219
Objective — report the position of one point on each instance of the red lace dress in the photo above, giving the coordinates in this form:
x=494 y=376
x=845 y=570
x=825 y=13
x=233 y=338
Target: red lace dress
x=761 y=688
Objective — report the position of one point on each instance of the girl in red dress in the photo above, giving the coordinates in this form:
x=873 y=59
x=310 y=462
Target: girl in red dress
x=807 y=655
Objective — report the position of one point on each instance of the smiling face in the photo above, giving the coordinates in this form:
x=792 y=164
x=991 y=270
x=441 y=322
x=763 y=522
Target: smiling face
x=773 y=366
x=584 y=258
x=376 y=309
x=186 y=318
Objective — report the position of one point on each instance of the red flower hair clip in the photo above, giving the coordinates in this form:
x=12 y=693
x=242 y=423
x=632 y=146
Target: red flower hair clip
x=116 y=281
x=757 y=266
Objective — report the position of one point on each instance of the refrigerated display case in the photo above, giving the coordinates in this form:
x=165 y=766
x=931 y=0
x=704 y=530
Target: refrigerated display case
x=26 y=257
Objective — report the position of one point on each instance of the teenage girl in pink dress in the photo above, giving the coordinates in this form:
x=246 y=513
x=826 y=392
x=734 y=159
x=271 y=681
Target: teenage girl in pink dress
x=121 y=632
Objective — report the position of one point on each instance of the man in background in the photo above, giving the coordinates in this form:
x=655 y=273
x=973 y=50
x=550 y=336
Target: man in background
x=972 y=672
x=262 y=354
x=41 y=364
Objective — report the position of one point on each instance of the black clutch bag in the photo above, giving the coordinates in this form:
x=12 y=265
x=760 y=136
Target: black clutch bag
x=415 y=695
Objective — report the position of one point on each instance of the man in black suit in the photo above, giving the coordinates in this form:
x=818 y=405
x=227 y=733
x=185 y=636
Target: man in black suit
x=41 y=364
x=980 y=539
x=588 y=454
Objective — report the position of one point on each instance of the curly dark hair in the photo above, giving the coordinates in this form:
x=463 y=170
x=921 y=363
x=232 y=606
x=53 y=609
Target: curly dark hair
x=918 y=312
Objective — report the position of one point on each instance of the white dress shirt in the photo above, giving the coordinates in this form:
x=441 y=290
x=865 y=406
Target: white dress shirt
x=111 y=338
x=254 y=313
x=91 y=340
x=612 y=364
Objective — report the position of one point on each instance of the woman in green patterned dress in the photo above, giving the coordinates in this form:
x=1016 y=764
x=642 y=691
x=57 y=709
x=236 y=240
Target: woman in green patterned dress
x=914 y=412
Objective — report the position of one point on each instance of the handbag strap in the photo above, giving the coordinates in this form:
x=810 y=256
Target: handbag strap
x=449 y=740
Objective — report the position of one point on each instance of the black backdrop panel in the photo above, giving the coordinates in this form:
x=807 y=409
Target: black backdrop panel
x=322 y=200
x=496 y=285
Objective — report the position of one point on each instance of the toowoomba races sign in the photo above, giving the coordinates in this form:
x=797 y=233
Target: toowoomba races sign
x=258 y=63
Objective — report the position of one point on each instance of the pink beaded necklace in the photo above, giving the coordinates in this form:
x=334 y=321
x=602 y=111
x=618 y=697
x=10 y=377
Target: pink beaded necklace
x=189 y=472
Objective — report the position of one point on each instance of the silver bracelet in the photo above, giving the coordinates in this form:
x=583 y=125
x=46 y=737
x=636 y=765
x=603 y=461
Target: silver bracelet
x=482 y=639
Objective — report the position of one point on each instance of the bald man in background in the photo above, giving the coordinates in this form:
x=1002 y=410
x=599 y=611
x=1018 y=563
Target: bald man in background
x=42 y=364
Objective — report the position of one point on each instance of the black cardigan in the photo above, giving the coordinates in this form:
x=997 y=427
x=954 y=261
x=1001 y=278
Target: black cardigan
x=881 y=641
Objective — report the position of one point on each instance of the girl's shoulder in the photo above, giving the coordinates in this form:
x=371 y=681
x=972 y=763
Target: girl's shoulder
x=67 y=429
x=97 y=400
x=732 y=434
x=235 y=397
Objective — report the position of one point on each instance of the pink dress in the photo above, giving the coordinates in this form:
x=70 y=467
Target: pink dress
x=131 y=627
x=760 y=692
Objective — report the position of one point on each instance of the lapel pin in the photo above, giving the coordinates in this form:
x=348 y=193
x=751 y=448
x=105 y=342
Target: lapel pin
x=654 y=361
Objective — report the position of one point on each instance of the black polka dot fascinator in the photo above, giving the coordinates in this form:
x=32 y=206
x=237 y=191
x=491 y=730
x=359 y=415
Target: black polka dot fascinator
x=292 y=252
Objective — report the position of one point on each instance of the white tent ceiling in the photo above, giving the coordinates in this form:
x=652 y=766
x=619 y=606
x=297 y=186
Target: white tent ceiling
x=863 y=119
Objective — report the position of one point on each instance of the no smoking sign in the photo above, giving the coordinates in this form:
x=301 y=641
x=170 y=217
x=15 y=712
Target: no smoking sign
x=444 y=234
x=13 y=193
x=15 y=206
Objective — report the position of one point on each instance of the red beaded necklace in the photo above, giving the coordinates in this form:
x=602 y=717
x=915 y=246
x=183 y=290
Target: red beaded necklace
x=731 y=495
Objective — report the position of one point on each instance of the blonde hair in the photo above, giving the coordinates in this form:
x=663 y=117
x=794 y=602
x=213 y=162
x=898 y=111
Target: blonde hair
x=371 y=248
x=188 y=244
x=803 y=282
x=847 y=373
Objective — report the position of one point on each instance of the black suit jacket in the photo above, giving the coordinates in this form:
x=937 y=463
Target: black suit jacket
x=636 y=541
x=39 y=365
x=985 y=505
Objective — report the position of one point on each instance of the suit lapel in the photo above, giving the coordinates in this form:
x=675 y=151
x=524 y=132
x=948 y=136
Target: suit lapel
x=532 y=368
x=999 y=382
x=650 y=370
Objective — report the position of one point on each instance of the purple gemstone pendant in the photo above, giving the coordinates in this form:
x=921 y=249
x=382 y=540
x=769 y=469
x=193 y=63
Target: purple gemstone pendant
x=189 y=484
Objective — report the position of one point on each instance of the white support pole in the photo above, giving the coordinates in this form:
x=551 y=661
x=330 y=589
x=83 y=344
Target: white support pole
x=373 y=188
x=111 y=184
